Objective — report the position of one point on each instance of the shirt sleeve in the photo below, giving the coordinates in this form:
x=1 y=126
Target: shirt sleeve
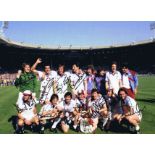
x=102 y=101
x=136 y=80
x=106 y=77
x=129 y=102
x=119 y=76
x=21 y=106
x=40 y=74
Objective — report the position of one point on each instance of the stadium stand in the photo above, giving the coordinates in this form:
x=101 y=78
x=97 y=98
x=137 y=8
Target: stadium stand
x=16 y=53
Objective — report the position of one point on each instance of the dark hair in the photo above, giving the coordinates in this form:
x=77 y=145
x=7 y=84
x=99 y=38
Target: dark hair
x=99 y=70
x=125 y=65
x=54 y=96
x=122 y=89
x=47 y=65
x=61 y=65
x=114 y=63
x=68 y=94
x=91 y=67
x=25 y=64
x=77 y=64
x=94 y=90
x=110 y=90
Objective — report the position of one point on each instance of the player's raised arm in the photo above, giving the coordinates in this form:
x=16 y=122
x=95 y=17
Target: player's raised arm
x=17 y=81
x=19 y=74
x=33 y=68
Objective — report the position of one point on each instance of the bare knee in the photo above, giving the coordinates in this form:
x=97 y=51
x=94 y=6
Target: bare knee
x=20 y=122
x=65 y=127
x=27 y=122
x=36 y=120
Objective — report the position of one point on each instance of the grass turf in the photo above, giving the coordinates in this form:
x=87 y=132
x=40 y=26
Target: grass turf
x=145 y=97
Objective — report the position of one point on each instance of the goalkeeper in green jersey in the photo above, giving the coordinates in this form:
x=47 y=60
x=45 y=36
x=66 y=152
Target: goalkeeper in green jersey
x=25 y=80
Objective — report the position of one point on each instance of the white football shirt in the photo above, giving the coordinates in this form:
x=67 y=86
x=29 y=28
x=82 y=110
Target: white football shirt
x=113 y=80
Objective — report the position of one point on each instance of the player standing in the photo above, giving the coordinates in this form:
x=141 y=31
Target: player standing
x=47 y=79
x=25 y=80
x=113 y=79
x=129 y=81
x=62 y=82
x=100 y=81
x=78 y=80
x=90 y=80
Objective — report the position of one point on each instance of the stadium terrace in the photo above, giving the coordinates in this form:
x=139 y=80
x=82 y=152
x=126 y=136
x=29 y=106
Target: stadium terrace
x=20 y=52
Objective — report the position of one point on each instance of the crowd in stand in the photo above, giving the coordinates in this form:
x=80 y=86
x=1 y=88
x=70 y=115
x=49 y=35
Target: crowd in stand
x=7 y=79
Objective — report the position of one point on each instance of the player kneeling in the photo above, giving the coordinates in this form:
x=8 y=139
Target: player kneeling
x=112 y=106
x=68 y=107
x=27 y=114
x=98 y=109
x=49 y=113
x=82 y=107
x=130 y=111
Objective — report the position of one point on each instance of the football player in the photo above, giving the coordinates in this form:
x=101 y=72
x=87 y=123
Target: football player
x=25 y=80
x=98 y=109
x=27 y=114
x=68 y=107
x=130 y=110
x=62 y=82
x=47 y=79
x=90 y=80
x=50 y=113
x=78 y=80
x=112 y=105
x=113 y=79
x=82 y=110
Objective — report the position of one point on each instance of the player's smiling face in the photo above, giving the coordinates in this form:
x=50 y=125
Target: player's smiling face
x=67 y=99
x=27 y=69
x=122 y=95
x=94 y=95
x=113 y=67
x=124 y=70
x=89 y=71
x=109 y=93
x=54 y=101
x=81 y=96
x=26 y=97
x=47 y=69
x=61 y=70
x=75 y=69
x=102 y=73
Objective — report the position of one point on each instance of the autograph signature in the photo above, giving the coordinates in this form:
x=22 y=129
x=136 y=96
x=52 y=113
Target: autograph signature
x=60 y=85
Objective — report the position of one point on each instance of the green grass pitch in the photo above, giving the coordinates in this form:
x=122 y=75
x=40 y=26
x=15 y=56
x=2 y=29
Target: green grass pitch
x=145 y=97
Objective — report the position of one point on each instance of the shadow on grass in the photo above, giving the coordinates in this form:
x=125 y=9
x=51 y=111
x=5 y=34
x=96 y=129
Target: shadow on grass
x=114 y=127
x=13 y=119
x=146 y=100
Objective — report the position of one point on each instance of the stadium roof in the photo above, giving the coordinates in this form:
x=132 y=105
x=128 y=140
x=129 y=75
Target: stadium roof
x=12 y=43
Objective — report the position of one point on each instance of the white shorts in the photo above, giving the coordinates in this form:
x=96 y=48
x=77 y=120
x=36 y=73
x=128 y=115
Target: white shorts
x=28 y=115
